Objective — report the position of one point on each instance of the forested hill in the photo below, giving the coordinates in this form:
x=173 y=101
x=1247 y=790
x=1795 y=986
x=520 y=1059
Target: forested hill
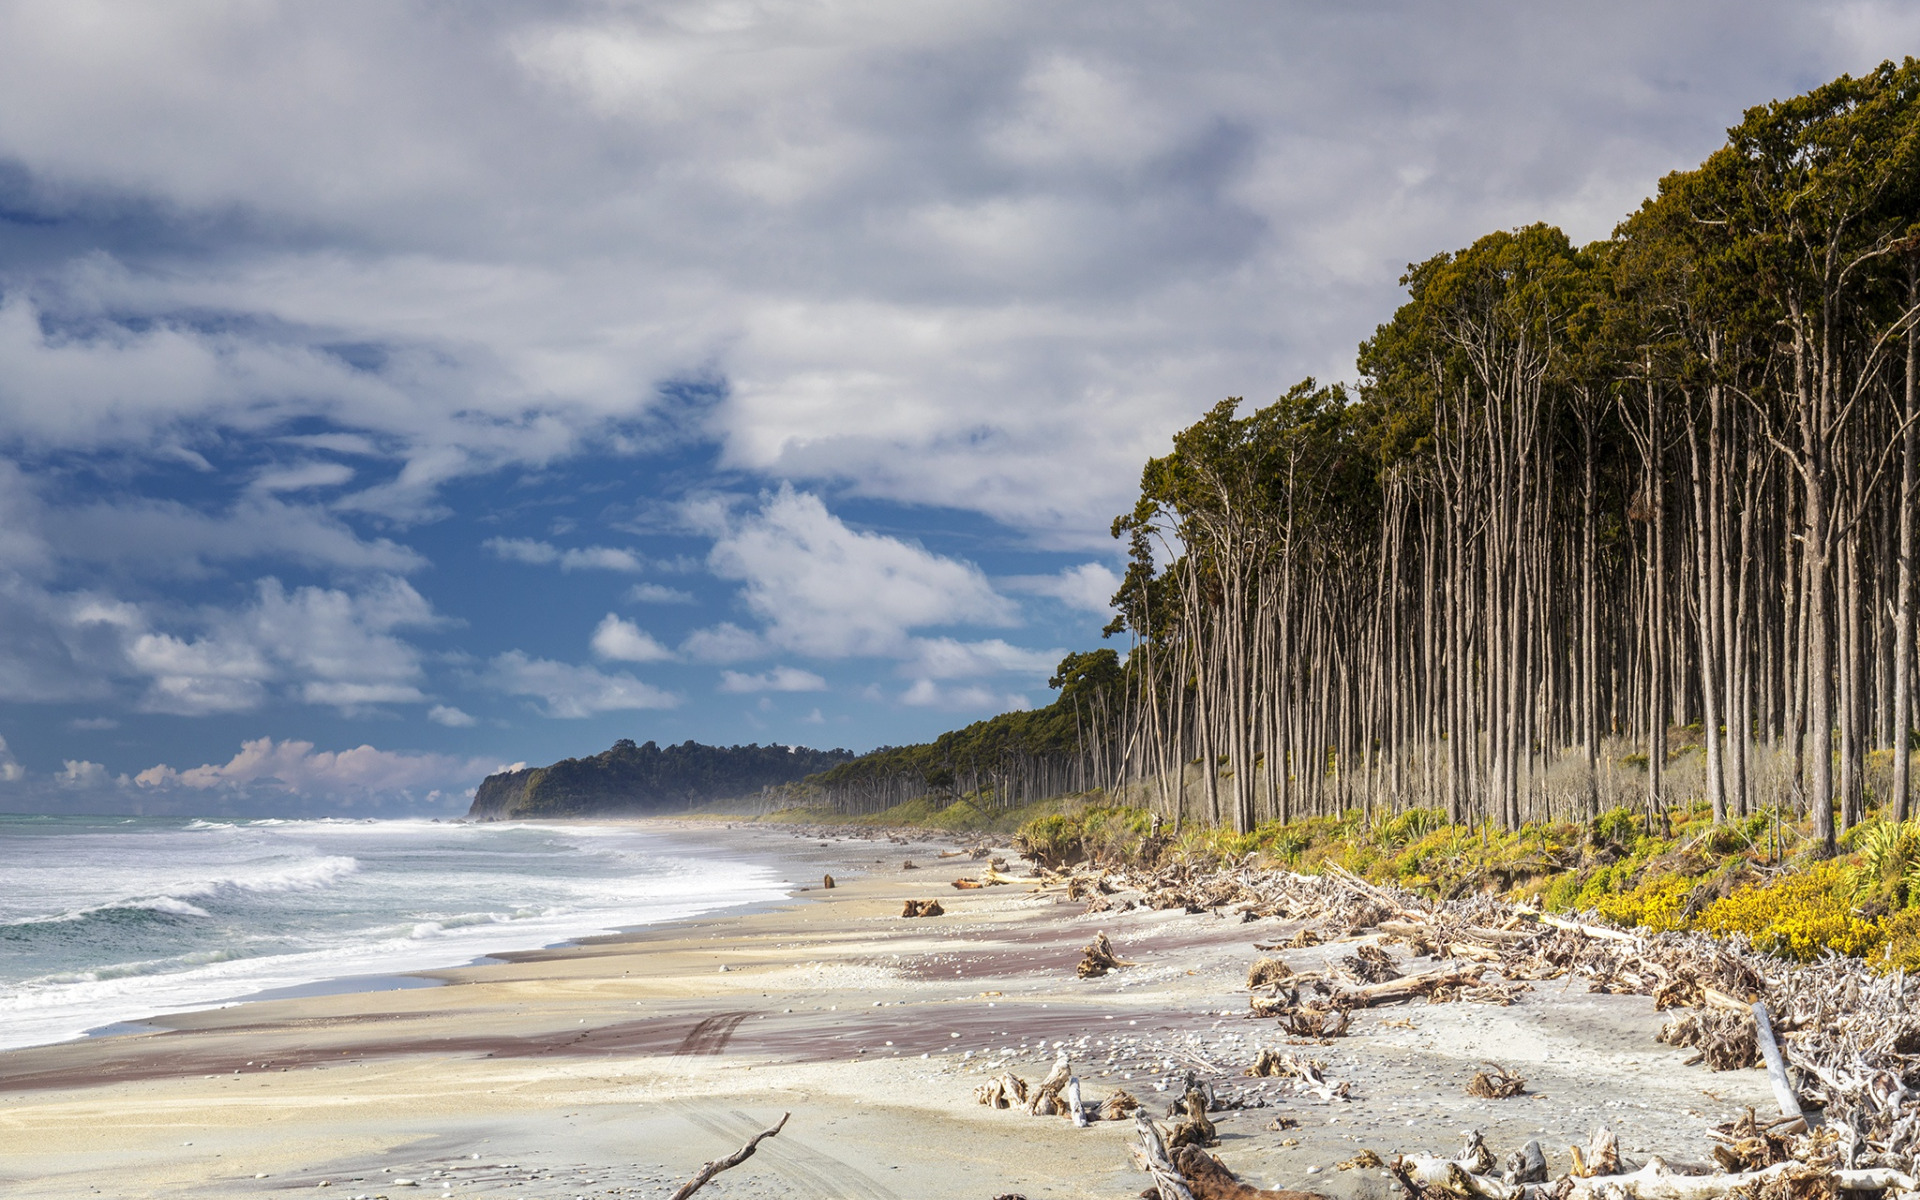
x=645 y=779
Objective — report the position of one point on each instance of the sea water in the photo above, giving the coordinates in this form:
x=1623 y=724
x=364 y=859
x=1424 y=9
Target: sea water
x=105 y=920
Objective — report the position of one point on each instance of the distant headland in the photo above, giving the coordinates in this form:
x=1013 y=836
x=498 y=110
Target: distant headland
x=629 y=778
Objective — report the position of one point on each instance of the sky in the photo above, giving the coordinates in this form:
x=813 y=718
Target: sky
x=391 y=392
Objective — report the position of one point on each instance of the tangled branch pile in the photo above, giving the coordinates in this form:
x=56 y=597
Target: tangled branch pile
x=1850 y=1037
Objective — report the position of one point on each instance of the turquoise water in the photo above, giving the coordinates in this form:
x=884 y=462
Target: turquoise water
x=108 y=919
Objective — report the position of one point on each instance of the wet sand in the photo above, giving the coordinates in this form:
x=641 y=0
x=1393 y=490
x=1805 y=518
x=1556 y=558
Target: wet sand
x=618 y=1066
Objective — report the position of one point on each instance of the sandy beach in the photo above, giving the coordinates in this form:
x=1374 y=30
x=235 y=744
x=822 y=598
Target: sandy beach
x=619 y=1065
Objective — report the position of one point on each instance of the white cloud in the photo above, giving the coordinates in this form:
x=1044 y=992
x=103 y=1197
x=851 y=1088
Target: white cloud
x=830 y=591
x=568 y=691
x=451 y=717
x=523 y=550
x=925 y=693
x=10 y=769
x=169 y=538
x=654 y=593
x=585 y=558
x=79 y=773
x=300 y=477
x=1088 y=587
x=947 y=658
x=725 y=642
x=779 y=679
x=623 y=641
x=296 y=767
x=1002 y=300
x=316 y=645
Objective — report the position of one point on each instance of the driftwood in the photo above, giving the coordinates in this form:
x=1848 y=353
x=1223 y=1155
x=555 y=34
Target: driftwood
x=1151 y=1155
x=1847 y=1036
x=1190 y=1173
x=1099 y=958
x=1074 y=1108
x=1602 y=1156
x=1117 y=1107
x=1317 y=1022
x=1725 y=1041
x=1309 y=1076
x=827 y=883
x=1656 y=1181
x=1004 y=1091
x=1046 y=1100
x=1371 y=964
x=730 y=1161
x=1266 y=971
x=991 y=877
x=1207 y=1178
x=1407 y=987
x=1496 y=1084
x=922 y=908
x=1194 y=1127
x=1776 y=1067
x=1465 y=1175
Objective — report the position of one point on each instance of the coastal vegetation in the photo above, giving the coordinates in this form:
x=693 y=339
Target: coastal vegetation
x=1622 y=526
x=645 y=778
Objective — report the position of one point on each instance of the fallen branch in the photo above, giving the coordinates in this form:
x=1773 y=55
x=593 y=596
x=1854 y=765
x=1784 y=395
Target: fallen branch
x=728 y=1163
x=1776 y=1069
x=1656 y=1181
x=1406 y=987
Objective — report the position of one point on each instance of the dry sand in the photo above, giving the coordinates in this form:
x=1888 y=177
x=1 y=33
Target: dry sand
x=617 y=1067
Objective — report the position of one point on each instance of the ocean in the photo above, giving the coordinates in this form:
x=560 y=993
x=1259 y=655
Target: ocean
x=104 y=920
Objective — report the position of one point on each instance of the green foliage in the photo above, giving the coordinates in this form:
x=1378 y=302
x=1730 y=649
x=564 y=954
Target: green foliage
x=1888 y=871
x=646 y=778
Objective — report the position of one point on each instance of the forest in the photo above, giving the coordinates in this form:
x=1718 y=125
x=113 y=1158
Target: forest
x=626 y=778
x=1623 y=523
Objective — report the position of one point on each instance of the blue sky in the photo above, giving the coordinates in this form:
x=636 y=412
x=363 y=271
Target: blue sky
x=392 y=391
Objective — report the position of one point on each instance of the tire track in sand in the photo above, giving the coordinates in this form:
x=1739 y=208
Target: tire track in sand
x=815 y=1171
x=711 y=1035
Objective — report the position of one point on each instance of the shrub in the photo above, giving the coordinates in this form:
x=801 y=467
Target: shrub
x=1052 y=841
x=1901 y=949
x=1659 y=904
x=1798 y=915
x=1411 y=826
x=1889 y=853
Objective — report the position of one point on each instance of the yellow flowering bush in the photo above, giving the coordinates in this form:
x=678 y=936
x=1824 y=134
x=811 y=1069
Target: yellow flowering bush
x=1798 y=915
x=1658 y=904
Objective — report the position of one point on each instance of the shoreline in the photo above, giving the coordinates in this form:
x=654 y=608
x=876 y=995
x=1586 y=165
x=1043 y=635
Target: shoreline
x=672 y=832
x=618 y=1065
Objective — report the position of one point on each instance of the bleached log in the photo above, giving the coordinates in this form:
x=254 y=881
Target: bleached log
x=1456 y=1178
x=1407 y=987
x=1776 y=1067
x=1719 y=999
x=1074 y=1107
x=1476 y=953
x=1655 y=1182
x=1592 y=931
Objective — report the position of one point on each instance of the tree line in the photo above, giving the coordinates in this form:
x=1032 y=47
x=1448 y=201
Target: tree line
x=1630 y=520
